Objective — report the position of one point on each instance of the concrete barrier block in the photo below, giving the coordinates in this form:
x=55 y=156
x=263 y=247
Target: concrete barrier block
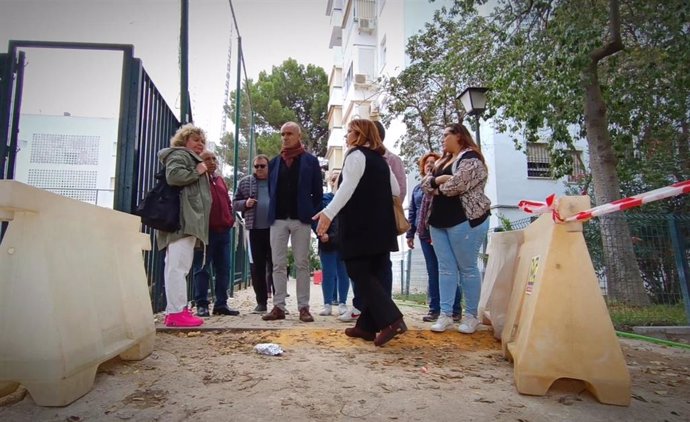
x=73 y=292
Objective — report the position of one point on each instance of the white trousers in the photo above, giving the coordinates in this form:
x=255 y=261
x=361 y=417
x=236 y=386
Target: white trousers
x=178 y=261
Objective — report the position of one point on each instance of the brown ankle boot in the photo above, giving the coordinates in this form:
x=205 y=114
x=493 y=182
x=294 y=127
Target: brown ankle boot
x=276 y=313
x=305 y=316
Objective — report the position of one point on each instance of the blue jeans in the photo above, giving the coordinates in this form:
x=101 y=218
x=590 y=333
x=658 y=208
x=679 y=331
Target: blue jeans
x=218 y=255
x=336 y=283
x=457 y=249
x=432 y=272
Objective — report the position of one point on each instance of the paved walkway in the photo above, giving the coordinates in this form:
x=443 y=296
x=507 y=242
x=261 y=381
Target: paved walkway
x=244 y=301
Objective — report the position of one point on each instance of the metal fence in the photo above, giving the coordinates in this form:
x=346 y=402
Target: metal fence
x=240 y=279
x=145 y=125
x=661 y=243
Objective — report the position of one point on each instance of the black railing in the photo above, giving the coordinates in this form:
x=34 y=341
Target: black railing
x=146 y=124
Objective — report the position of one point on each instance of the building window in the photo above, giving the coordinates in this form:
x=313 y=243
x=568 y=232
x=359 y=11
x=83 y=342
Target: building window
x=49 y=148
x=578 y=168
x=365 y=9
x=382 y=53
x=80 y=185
x=366 y=62
x=539 y=162
x=348 y=80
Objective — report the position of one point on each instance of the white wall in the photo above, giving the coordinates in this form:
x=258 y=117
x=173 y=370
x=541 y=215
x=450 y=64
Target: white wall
x=508 y=183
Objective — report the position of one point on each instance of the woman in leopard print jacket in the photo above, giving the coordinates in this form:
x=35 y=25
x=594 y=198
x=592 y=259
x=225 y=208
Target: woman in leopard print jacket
x=458 y=222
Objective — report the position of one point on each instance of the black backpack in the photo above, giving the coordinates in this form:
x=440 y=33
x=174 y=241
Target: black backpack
x=160 y=208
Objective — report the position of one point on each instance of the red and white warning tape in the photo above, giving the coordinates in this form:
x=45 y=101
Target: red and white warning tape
x=537 y=207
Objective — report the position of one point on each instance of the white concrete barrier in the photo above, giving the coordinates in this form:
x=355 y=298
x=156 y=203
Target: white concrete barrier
x=497 y=285
x=557 y=324
x=73 y=292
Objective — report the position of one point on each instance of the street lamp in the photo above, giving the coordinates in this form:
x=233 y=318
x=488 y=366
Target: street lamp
x=474 y=101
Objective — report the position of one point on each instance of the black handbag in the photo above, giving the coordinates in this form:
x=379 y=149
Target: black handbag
x=160 y=208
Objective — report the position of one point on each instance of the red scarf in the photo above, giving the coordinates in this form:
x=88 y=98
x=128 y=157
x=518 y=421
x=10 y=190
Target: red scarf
x=289 y=154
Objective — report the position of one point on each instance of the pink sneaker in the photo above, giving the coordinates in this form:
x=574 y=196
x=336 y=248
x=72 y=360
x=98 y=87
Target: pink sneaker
x=182 y=319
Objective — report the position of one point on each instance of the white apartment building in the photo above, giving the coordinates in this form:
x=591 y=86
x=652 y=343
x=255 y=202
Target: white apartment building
x=71 y=156
x=368 y=40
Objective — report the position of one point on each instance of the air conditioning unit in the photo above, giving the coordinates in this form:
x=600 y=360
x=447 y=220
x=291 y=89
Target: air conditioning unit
x=366 y=25
x=360 y=78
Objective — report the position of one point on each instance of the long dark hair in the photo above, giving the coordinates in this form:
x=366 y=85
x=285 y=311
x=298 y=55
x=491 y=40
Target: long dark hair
x=466 y=142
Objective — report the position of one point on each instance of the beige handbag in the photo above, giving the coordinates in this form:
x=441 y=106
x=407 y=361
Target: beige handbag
x=401 y=222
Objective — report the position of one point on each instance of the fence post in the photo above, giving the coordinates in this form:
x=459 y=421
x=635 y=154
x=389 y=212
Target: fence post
x=681 y=263
x=408 y=272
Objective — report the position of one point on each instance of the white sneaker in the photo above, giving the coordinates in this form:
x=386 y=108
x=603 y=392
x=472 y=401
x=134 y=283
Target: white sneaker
x=442 y=323
x=468 y=325
x=326 y=310
x=342 y=308
x=350 y=315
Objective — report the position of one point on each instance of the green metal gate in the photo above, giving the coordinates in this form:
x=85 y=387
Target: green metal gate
x=146 y=124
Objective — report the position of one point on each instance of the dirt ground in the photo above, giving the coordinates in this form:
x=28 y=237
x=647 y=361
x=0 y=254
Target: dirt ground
x=216 y=375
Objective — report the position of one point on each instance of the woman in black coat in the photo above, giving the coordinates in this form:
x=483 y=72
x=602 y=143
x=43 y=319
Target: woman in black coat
x=364 y=206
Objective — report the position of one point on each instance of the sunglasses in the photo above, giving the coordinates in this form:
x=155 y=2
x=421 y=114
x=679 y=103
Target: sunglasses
x=259 y=166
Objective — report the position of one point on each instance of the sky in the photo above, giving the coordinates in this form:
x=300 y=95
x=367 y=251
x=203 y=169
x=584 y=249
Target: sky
x=86 y=83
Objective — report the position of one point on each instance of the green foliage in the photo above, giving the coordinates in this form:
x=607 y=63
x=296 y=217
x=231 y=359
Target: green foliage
x=314 y=260
x=416 y=298
x=506 y=224
x=614 y=72
x=269 y=144
x=444 y=59
x=226 y=150
x=625 y=317
x=533 y=55
x=291 y=92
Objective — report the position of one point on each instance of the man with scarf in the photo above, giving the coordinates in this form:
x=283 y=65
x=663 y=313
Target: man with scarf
x=296 y=188
x=217 y=253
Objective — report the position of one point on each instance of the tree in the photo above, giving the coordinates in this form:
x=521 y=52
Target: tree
x=576 y=58
x=226 y=149
x=291 y=92
x=558 y=70
x=445 y=58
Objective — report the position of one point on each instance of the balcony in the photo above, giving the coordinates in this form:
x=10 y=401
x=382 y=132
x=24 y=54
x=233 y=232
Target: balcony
x=365 y=15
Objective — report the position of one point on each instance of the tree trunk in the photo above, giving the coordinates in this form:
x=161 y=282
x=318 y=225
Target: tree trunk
x=684 y=147
x=624 y=283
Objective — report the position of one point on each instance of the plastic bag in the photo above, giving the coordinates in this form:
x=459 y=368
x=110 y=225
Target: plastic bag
x=269 y=349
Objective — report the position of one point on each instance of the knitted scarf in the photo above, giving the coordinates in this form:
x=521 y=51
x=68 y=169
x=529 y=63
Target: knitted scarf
x=423 y=227
x=289 y=154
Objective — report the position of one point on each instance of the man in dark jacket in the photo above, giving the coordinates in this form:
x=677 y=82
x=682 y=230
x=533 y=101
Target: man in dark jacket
x=296 y=189
x=252 y=200
x=218 y=249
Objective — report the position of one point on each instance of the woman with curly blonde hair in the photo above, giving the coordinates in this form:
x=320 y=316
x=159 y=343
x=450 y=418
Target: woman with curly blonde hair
x=185 y=168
